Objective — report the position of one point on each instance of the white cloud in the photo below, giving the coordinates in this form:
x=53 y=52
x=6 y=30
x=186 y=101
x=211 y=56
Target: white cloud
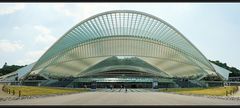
x=43 y=38
x=10 y=46
x=42 y=29
x=44 y=35
x=31 y=56
x=61 y=8
x=84 y=10
x=16 y=27
x=10 y=8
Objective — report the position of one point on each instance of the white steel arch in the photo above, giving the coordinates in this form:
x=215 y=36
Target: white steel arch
x=123 y=33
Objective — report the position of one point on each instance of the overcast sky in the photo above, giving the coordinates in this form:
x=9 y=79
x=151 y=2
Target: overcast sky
x=27 y=30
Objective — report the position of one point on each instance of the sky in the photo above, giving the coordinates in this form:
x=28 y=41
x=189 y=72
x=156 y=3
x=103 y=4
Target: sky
x=27 y=30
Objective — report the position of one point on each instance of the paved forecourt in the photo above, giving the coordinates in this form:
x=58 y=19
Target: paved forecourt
x=122 y=98
x=124 y=90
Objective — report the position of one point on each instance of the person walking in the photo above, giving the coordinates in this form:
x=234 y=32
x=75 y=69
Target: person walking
x=121 y=88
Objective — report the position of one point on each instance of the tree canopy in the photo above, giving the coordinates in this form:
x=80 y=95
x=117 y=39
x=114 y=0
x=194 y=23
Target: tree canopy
x=235 y=71
x=8 y=69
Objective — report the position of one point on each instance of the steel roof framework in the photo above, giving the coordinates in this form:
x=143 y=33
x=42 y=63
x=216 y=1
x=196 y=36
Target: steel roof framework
x=123 y=33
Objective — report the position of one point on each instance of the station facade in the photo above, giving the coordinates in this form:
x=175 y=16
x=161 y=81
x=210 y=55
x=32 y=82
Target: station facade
x=122 y=47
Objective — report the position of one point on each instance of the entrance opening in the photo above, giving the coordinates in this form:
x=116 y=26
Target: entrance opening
x=133 y=86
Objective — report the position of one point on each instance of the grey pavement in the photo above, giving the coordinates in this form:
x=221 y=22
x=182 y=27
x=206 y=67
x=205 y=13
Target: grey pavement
x=123 y=90
x=119 y=97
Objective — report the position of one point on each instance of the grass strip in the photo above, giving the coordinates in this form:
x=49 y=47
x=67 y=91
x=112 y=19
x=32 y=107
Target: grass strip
x=212 y=91
x=33 y=90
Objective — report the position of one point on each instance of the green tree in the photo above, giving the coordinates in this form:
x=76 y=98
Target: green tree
x=235 y=71
x=8 y=69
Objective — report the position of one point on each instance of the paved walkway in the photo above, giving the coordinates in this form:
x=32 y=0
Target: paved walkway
x=123 y=90
x=122 y=98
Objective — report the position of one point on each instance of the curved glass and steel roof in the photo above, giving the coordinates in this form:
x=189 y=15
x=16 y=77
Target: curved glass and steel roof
x=123 y=33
